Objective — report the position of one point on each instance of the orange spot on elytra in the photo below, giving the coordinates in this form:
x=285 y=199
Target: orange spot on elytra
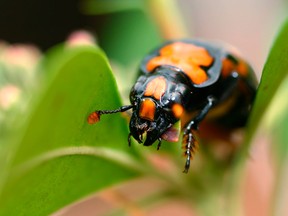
x=177 y=110
x=156 y=87
x=228 y=67
x=147 y=109
x=188 y=57
x=242 y=68
x=93 y=118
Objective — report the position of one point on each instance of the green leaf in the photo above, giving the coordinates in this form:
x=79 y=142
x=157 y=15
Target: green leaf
x=274 y=72
x=270 y=110
x=276 y=122
x=110 y=6
x=276 y=125
x=136 y=36
x=60 y=158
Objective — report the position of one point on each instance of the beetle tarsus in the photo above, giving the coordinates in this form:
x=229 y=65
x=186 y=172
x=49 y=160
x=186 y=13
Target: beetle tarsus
x=190 y=145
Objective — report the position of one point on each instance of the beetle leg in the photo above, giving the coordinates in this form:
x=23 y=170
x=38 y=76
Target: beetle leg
x=189 y=140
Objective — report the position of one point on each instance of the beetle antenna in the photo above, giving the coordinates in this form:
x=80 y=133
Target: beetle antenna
x=94 y=117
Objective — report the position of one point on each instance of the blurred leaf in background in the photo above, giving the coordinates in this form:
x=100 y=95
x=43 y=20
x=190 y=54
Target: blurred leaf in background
x=272 y=100
x=56 y=150
x=274 y=72
x=44 y=162
x=135 y=34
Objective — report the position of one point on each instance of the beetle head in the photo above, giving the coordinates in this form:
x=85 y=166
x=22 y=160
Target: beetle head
x=151 y=120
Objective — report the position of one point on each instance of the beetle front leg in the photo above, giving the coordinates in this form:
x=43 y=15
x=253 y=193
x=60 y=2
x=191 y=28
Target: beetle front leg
x=189 y=140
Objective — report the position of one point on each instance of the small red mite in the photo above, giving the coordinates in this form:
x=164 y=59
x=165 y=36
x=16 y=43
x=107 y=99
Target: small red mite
x=187 y=78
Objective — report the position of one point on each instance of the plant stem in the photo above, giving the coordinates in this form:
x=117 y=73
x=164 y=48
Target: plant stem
x=168 y=17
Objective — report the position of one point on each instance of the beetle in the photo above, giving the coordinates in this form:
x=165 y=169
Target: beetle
x=184 y=78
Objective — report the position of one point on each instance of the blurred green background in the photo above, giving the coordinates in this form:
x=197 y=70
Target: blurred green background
x=249 y=25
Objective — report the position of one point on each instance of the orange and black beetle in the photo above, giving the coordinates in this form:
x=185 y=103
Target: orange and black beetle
x=187 y=76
